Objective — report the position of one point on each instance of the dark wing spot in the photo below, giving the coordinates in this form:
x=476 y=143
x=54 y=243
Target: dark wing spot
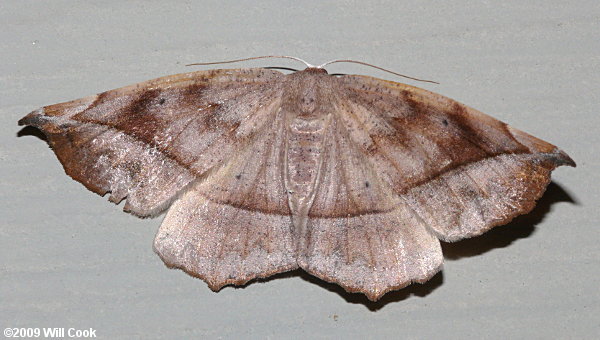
x=367 y=184
x=238 y=176
x=192 y=94
x=141 y=117
x=143 y=104
x=445 y=122
x=460 y=119
x=132 y=169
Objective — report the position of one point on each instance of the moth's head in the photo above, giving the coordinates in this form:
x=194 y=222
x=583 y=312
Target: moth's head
x=308 y=93
x=314 y=70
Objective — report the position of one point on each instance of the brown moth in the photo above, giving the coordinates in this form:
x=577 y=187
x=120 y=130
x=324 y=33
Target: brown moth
x=351 y=178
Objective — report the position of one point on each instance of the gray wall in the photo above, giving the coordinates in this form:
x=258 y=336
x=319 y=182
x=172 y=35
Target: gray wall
x=71 y=259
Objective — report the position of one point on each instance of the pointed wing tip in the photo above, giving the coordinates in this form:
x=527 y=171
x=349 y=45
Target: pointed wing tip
x=422 y=280
x=23 y=121
x=566 y=160
x=218 y=285
x=173 y=260
x=559 y=158
x=375 y=294
x=33 y=118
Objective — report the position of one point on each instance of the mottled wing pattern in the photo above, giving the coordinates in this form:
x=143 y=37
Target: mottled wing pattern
x=460 y=170
x=401 y=168
x=147 y=141
x=235 y=225
x=405 y=167
x=208 y=142
x=359 y=233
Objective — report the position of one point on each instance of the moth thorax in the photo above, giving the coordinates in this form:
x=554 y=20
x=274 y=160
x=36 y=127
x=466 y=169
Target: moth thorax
x=308 y=96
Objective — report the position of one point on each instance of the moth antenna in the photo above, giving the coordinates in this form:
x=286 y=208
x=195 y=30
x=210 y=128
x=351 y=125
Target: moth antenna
x=252 y=58
x=377 y=67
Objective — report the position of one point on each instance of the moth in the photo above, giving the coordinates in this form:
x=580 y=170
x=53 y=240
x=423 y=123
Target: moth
x=351 y=178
